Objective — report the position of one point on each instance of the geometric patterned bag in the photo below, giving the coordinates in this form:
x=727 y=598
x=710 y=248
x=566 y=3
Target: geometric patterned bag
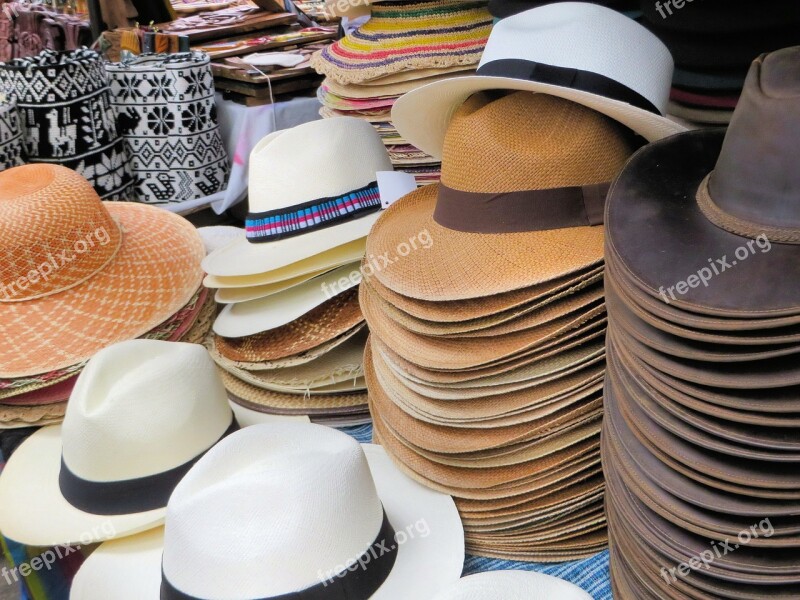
x=67 y=116
x=168 y=117
x=12 y=151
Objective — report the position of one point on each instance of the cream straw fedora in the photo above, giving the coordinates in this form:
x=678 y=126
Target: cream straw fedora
x=582 y=52
x=288 y=510
x=294 y=215
x=512 y=585
x=141 y=414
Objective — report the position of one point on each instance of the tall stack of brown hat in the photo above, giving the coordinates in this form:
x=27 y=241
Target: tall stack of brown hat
x=700 y=444
x=713 y=43
x=485 y=367
x=486 y=312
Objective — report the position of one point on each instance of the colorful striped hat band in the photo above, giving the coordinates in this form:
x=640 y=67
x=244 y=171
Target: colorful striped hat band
x=318 y=214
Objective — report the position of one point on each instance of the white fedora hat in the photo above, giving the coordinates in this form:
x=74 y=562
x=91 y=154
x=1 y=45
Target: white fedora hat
x=254 y=316
x=288 y=510
x=297 y=212
x=582 y=52
x=141 y=413
x=512 y=585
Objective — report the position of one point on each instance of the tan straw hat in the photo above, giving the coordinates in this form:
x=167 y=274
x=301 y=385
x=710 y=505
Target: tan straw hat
x=523 y=179
x=78 y=274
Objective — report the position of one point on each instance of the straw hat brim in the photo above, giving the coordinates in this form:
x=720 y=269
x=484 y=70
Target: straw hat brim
x=459 y=265
x=437 y=102
x=242 y=258
x=392 y=89
x=234 y=295
x=513 y=584
x=155 y=272
x=34 y=512
x=130 y=568
x=662 y=203
x=255 y=316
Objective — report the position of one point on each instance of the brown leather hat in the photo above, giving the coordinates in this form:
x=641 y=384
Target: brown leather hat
x=708 y=223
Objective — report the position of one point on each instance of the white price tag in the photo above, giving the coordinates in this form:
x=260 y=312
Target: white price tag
x=393 y=185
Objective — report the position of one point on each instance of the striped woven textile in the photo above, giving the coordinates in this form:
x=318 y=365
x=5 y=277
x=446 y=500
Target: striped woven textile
x=408 y=35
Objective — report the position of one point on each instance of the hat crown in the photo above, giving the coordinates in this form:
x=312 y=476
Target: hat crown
x=589 y=38
x=527 y=141
x=143 y=407
x=756 y=178
x=286 y=505
x=54 y=231
x=346 y=153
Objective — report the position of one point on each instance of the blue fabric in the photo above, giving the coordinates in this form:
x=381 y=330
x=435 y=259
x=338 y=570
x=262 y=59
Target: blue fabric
x=591 y=574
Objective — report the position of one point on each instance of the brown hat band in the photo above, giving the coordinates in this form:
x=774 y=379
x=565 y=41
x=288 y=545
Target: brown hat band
x=523 y=211
x=739 y=226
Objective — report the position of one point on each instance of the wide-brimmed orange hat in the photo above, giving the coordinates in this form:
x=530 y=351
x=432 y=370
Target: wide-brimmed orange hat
x=78 y=274
x=520 y=203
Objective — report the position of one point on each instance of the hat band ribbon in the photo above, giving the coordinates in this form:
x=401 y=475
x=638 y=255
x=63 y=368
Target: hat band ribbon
x=317 y=214
x=359 y=581
x=524 y=211
x=126 y=496
x=576 y=79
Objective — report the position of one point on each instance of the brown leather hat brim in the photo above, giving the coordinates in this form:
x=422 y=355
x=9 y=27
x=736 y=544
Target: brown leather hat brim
x=652 y=206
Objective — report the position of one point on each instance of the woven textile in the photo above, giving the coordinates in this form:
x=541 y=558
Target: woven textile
x=168 y=118
x=67 y=116
x=408 y=35
x=12 y=151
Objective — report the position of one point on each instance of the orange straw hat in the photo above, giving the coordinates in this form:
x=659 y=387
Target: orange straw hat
x=78 y=274
x=520 y=202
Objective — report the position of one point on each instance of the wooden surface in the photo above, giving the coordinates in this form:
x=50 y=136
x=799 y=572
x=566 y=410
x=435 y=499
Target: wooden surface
x=270 y=44
x=257 y=21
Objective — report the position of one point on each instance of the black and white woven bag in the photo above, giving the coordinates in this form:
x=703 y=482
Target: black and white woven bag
x=67 y=116
x=168 y=118
x=12 y=151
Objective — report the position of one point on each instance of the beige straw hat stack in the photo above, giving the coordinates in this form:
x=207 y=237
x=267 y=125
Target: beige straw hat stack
x=290 y=338
x=78 y=275
x=485 y=363
x=403 y=46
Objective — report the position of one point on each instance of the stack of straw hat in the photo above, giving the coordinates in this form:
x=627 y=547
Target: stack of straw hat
x=700 y=445
x=78 y=275
x=403 y=46
x=290 y=339
x=713 y=43
x=486 y=357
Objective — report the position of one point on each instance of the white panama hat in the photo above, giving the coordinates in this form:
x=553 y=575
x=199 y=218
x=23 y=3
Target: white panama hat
x=288 y=510
x=512 y=585
x=141 y=413
x=312 y=188
x=582 y=52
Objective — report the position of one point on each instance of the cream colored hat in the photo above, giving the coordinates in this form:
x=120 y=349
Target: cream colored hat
x=294 y=214
x=288 y=510
x=582 y=52
x=141 y=414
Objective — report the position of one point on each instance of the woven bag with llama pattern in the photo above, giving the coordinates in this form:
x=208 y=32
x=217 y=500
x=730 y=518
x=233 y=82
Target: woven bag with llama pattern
x=67 y=116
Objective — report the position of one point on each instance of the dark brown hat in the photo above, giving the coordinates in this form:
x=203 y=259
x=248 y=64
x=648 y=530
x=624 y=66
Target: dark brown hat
x=709 y=223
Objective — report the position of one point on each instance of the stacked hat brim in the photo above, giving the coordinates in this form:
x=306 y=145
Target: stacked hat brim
x=401 y=48
x=700 y=443
x=40 y=400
